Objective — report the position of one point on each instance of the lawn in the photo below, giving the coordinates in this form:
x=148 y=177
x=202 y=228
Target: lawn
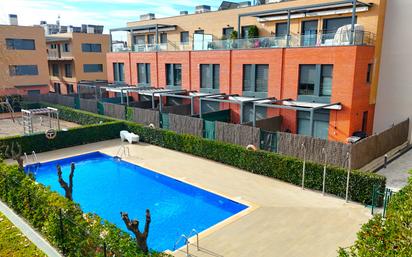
x=13 y=243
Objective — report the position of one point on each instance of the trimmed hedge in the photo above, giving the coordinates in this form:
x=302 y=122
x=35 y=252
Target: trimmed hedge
x=82 y=233
x=269 y=164
x=72 y=137
x=387 y=237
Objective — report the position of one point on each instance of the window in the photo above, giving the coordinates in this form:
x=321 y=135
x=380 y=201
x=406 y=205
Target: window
x=92 y=67
x=91 y=48
x=364 y=121
x=173 y=75
x=255 y=79
x=68 y=70
x=199 y=31
x=118 y=71
x=70 y=89
x=320 y=123
x=66 y=47
x=23 y=70
x=369 y=73
x=53 y=46
x=330 y=26
x=139 y=39
x=309 y=33
x=163 y=38
x=227 y=32
x=315 y=80
x=209 y=77
x=184 y=37
x=245 y=31
x=33 y=92
x=55 y=69
x=326 y=80
x=143 y=74
x=20 y=44
x=281 y=29
x=56 y=87
x=150 y=39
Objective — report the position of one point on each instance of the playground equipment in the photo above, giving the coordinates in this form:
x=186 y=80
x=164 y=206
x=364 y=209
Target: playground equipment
x=8 y=108
x=27 y=115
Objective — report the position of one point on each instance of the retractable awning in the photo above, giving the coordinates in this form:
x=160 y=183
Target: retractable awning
x=148 y=27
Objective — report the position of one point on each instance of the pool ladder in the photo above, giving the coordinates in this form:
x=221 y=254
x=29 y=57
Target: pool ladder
x=187 y=242
x=33 y=158
x=123 y=151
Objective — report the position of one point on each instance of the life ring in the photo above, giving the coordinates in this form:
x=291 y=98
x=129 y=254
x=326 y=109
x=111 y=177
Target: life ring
x=152 y=126
x=251 y=148
x=51 y=134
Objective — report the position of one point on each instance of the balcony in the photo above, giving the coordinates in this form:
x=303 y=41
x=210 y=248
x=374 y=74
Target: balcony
x=55 y=55
x=357 y=38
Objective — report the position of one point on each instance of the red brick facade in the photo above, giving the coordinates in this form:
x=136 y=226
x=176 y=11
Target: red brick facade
x=349 y=84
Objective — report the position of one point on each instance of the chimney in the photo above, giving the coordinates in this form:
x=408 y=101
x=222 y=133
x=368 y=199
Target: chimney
x=202 y=8
x=147 y=16
x=184 y=12
x=13 y=19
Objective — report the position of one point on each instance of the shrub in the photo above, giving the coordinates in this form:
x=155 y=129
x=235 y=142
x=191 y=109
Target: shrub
x=269 y=164
x=72 y=137
x=42 y=208
x=387 y=237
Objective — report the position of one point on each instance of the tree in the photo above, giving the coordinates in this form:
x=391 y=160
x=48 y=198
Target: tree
x=253 y=32
x=68 y=188
x=14 y=151
x=133 y=225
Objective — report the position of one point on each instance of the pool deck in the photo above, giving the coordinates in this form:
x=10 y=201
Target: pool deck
x=283 y=220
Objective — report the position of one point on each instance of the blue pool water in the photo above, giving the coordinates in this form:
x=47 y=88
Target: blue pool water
x=106 y=186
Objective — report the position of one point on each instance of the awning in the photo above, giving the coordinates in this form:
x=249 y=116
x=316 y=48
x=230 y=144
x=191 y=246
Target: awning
x=146 y=28
x=57 y=39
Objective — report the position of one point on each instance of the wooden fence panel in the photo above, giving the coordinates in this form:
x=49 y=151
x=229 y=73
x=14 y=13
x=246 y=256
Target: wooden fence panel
x=65 y=100
x=186 y=125
x=117 y=111
x=237 y=134
x=88 y=105
x=145 y=116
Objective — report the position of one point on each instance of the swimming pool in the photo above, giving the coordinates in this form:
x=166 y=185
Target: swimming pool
x=106 y=186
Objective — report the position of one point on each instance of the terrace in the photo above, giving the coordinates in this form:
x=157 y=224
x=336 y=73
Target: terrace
x=350 y=34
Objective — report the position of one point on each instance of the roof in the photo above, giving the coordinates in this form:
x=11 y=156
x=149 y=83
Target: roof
x=57 y=39
x=145 y=27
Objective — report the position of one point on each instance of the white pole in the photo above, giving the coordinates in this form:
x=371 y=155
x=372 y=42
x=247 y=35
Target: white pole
x=347 y=179
x=324 y=172
x=304 y=166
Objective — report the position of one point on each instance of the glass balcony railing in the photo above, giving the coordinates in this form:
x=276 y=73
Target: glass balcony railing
x=310 y=40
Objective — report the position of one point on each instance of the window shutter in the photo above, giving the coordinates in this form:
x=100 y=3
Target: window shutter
x=216 y=76
x=247 y=77
x=262 y=77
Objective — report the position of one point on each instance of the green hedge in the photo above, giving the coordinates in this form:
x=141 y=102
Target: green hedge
x=72 y=137
x=81 y=232
x=72 y=115
x=387 y=237
x=269 y=164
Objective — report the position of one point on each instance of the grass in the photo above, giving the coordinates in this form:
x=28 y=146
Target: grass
x=13 y=243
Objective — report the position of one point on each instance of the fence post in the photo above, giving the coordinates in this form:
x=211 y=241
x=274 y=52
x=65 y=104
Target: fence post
x=104 y=249
x=304 y=166
x=324 y=171
x=61 y=230
x=347 y=179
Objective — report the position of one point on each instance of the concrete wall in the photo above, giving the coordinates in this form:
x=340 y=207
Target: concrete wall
x=20 y=84
x=394 y=102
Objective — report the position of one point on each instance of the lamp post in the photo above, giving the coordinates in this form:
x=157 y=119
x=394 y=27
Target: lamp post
x=324 y=171
x=304 y=166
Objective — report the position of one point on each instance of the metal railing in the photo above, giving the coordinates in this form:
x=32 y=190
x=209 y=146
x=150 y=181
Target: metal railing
x=187 y=242
x=319 y=39
x=122 y=152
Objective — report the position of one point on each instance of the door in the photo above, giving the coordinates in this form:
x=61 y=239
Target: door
x=209 y=129
x=309 y=33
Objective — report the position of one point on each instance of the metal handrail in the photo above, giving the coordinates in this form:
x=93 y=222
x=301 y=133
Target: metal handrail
x=186 y=243
x=123 y=151
x=35 y=157
x=27 y=159
x=192 y=233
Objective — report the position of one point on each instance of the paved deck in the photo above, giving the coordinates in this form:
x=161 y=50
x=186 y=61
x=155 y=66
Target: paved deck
x=284 y=220
x=10 y=128
x=397 y=172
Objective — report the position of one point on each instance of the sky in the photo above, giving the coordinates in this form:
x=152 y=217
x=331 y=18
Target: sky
x=110 y=13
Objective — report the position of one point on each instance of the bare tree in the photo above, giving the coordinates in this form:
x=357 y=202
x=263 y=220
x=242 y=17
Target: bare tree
x=68 y=188
x=14 y=151
x=133 y=225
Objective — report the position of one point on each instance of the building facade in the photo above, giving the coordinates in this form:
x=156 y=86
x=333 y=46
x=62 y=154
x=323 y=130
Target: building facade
x=393 y=101
x=23 y=62
x=73 y=57
x=299 y=50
